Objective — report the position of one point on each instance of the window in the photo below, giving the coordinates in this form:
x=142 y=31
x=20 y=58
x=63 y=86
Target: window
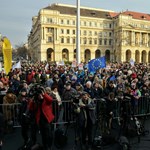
x=95 y=23
x=50 y=39
x=90 y=33
x=62 y=40
x=100 y=41
x=84 y=32
x=73 y=40
x=85 y=23
x=62 y=21
x=100 y=34
x=95 y=41
x=68 y=31
x=49 y=20
x=110 y=34
x=142 y=26
x=84 y=41
x=110 y=25
x=95 y=33
x=105 y=25
x=105 y=34
x=90 y=41
x=62 y=31
x=101 y=25
x=73 y=32
x=105 y=41
x=90 y=24
x=110 y=42
x=68 y=21
x=68 y=40
x=73 y=22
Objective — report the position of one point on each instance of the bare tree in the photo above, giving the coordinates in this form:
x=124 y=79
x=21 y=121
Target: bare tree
x=22 y=51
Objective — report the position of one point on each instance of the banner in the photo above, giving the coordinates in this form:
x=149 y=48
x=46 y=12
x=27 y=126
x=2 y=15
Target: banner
x=7 y=55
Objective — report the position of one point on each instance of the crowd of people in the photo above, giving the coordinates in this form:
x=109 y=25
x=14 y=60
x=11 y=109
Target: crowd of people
x=37 y=86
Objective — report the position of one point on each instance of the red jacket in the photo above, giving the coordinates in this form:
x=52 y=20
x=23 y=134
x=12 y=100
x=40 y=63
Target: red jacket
x=46 y=109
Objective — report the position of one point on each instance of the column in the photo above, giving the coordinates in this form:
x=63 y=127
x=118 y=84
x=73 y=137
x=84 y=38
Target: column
x=147 y=52
x=92 y=54
x=123 y=56
x=124 y=38
x=133 y=38
x=133 y=55
x=140 y=57
x=140 y=42
x=43 y=34
x=56 y=37
x=147 y=40
x=71 y=54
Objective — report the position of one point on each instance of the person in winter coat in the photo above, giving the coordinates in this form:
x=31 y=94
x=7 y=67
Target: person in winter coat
x=44 y=116
x=8 y=108
x=1 y=130
x=87 y=118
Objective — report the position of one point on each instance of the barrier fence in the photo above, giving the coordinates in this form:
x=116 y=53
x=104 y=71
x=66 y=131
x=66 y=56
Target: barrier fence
x=65 y=113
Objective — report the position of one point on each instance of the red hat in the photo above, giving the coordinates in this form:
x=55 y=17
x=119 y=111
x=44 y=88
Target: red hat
x=134 y=75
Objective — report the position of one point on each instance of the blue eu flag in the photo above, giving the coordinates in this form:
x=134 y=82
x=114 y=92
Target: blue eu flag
x=112 y=78
x=96 y=64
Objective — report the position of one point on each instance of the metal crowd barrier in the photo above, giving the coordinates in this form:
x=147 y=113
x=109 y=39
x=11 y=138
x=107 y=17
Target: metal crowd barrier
x=65 y=113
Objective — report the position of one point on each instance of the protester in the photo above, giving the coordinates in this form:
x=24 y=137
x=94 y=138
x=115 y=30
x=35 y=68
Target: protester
x=121 y=79
x=87 y=119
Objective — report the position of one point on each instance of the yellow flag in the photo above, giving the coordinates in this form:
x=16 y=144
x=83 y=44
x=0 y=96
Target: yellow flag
x=7 y=55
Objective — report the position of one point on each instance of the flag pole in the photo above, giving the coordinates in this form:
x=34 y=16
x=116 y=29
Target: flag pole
x=78 y=33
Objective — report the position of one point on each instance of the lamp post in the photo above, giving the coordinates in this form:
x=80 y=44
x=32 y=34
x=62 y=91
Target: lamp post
x=78 y=33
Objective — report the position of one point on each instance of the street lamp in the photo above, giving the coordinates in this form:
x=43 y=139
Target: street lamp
x=78 y=33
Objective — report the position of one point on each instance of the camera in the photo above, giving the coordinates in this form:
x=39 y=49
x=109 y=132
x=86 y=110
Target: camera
x=35 y=91
x=76 y=98
x=75 y=102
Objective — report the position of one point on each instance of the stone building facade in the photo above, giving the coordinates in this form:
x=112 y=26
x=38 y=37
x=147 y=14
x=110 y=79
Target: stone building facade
x=118 y=36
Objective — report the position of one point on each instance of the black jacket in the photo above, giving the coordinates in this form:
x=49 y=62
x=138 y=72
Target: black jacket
x=87 y=112
x=1 y=126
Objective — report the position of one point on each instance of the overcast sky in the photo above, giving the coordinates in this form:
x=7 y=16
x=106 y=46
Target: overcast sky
x=16 y=15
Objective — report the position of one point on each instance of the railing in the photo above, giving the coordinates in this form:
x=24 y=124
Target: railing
x=65 y=113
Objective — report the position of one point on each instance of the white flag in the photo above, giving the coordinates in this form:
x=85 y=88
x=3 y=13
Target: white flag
x=131 y=62
x=17 y=65
x=46 y=67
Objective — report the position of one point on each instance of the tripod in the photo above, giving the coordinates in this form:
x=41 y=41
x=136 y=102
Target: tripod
x=130 y=125
x=101 y=135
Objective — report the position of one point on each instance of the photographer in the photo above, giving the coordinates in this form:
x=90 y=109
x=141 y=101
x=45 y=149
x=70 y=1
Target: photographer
x=44 y=115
